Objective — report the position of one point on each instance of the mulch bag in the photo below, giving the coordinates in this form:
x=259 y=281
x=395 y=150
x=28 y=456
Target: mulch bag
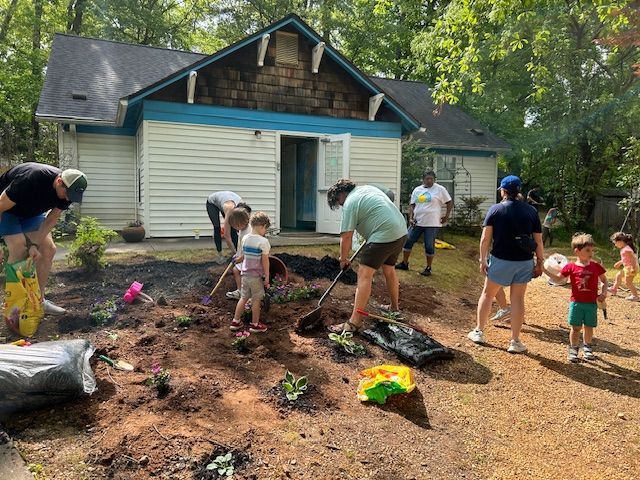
x=380 y=382
x=411 y=345
x=44 y=373
x=23 y=307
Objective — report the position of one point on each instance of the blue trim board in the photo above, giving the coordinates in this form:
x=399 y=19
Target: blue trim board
x=265 y=120
x=129 y=132
x=408 y=122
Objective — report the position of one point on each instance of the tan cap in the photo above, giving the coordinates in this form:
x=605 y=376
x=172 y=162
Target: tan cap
x=76 y=183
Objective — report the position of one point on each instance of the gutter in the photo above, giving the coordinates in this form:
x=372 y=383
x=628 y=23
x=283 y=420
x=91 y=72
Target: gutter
x=76 y=120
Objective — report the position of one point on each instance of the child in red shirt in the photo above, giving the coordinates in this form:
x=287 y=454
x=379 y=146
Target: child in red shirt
x=583 y=311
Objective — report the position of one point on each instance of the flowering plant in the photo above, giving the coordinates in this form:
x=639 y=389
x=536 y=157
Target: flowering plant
x=160 y=378
x=281 y=292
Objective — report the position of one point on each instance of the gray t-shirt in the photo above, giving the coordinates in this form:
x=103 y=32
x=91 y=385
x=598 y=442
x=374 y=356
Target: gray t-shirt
x=220 y=198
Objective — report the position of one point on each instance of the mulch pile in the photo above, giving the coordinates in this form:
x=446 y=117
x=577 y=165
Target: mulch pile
x=312 y=268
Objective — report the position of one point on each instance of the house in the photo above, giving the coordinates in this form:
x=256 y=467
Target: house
x=277 y=117
x=465 y=151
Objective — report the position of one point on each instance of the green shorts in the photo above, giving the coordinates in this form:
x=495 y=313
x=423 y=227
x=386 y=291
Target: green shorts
x=583 y=314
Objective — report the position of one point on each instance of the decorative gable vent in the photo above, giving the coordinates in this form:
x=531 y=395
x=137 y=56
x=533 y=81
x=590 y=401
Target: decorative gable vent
x=287 y=49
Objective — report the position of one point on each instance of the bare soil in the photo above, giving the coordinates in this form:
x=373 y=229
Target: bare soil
x=486 y=414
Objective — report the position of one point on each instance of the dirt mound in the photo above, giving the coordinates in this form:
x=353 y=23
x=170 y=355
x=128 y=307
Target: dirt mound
x=312 y=268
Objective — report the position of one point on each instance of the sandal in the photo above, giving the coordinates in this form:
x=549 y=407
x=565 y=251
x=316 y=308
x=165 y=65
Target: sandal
x=343 y=327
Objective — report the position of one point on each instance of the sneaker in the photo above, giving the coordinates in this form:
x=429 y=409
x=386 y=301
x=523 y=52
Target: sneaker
x=632 y=298
x=572 y=355
x=51 y=308
x=426 y=272
x=502 y=314
x=259 y=328
x=587 y=352
x=476 y=336
x=516 y=346
x=236 y=325
x=402 y=266
x=234 y=295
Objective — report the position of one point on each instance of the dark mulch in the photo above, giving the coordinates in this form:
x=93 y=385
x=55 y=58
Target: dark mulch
x=312 y=268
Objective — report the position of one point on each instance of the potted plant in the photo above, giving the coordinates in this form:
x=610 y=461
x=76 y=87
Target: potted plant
x=133 y=232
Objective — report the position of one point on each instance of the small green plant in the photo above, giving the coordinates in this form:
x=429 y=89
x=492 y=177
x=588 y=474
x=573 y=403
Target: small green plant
x=391 y=315
x=159 y=378
x=67 y=225
x=183 y=321
x=223 y=464
x=90 y=244
x=294 y=388
x=281 y=292
x=241 y=343
x=103 y=311
x=345 y=341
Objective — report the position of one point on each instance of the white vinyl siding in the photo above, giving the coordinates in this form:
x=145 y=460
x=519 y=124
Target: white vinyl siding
x=141 y=175
x=376 y=160
x=188 y=162
x=108 y=161
x=483 y=171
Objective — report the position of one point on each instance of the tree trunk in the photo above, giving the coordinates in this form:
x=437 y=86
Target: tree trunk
x=75 y=12
x=4 y=28
x=36 y=71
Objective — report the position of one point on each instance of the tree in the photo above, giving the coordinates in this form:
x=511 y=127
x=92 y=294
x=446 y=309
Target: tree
x=540 y=74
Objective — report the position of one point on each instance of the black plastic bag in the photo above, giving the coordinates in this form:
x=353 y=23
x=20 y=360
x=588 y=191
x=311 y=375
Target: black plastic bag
x=44 y=373
x=411 y=345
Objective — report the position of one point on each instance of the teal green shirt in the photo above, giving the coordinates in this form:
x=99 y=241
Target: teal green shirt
x=369 y=211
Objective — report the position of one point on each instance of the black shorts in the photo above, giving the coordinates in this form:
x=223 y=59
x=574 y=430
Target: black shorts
x=374 y=255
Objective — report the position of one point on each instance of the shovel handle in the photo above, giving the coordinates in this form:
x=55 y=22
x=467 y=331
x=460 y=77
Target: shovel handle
x=106 y=359
x=335 y=280
x=363 y=312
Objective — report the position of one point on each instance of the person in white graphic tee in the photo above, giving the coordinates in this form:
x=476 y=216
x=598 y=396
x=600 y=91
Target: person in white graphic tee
x=425 y=218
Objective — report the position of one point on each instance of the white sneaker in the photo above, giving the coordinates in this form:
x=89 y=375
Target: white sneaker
x=51 y=308
x=632 y=298
x=235 y=295
x=516 y=346
x=501 y=314
x=476 y=336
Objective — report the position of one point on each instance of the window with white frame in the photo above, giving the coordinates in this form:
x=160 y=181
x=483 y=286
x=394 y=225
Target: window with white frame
x=333 y=162
x=445 y=168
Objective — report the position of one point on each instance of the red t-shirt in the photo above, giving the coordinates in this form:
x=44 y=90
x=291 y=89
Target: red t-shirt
x=584 y=281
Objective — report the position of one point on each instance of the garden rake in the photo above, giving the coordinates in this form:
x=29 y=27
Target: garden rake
x=206 y=300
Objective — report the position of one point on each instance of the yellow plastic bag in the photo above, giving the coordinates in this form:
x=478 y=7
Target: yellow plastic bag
x=444 y=245
x=23 y=307
x=380 y=382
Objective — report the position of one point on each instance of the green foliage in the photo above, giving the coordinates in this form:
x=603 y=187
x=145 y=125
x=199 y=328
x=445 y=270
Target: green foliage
x=183 y=321
x=90 y=244
x=391 y=315
x=223 y=464
x=292 y=387
x=468 y=213
x=285 y=292
x=241 y=343
x=628 y=178
x=103 y=312
x=67 y=224
x=345 y=341
x=415 y=159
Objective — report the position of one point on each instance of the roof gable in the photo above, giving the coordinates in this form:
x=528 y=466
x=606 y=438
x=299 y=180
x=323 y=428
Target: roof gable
x=291 y=21
x=452 y=128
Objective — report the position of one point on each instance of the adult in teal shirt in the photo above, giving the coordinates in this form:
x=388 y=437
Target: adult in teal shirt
x=367 y=210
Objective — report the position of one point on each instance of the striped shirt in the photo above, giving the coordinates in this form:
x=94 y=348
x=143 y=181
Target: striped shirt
x=253 y=247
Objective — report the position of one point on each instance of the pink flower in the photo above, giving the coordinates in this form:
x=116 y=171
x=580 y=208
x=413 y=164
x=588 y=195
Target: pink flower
x=156 y=368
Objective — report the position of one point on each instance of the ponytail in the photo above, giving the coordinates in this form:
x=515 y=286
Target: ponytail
x=627 y=238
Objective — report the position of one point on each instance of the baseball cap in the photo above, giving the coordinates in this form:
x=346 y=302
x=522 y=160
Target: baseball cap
x=511 y=183
x=76 y=183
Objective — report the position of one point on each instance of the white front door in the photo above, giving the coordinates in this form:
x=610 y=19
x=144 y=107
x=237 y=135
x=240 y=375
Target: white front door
x=333 y=164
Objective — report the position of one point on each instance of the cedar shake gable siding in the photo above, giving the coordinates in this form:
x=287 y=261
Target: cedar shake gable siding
x=237 y=81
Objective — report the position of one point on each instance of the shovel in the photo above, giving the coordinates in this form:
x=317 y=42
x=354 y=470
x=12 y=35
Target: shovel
x=206 y=300
x=117 y=364
x=311 y=319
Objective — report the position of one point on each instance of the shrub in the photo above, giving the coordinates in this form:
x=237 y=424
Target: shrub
x=468 y=213
x=103 y=311
x=183 y=320
x=90 y=244
x=67 y=225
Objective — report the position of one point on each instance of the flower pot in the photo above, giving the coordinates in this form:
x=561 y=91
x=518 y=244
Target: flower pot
x=133 y=234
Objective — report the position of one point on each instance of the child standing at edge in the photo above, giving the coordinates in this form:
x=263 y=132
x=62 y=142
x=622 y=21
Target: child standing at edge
x=629 y=262
x=254 y=271
x=583 y=311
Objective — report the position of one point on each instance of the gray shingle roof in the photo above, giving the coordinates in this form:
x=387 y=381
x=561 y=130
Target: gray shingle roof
x=106 y=71
x=450 y=129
